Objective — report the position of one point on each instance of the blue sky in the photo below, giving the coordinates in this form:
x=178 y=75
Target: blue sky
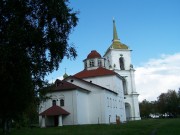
x=151 y=28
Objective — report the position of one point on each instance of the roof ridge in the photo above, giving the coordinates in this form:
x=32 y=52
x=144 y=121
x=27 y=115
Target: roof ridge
x=100 y=71
x=54 y=110
x=64 y=85
x=92 y=84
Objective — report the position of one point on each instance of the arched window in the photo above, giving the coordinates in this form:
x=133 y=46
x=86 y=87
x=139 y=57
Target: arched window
x=54 y=102
x=121 y=62
x=62 y=102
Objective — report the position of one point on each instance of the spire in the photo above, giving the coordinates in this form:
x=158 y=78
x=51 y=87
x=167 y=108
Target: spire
x=65 y=75
x=116 y=44
x=115 y=35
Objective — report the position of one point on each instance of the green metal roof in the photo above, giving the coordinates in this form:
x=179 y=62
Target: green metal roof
x=65 y=75
x=118 y=45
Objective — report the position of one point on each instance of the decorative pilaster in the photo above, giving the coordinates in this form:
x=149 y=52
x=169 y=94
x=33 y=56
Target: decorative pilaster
x=43 y=124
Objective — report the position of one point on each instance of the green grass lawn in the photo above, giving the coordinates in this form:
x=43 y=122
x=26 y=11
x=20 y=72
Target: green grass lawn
x=143 y=127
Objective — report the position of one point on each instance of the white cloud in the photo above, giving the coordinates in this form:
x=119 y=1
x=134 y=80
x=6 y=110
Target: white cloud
x=158 y=76
x=53 y=80
x=60 y=78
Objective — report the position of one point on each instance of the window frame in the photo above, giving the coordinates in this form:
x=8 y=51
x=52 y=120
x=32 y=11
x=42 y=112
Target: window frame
x=61 y=102
x=91 y=63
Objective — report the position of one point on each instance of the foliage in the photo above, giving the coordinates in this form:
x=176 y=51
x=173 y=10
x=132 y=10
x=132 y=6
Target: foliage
x=168 y=104
x=145 y=107
x=28 y=117
x=34 y=40
x=16 y=86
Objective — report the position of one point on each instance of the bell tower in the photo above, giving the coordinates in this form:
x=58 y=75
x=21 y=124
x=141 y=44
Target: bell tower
x=118 y=58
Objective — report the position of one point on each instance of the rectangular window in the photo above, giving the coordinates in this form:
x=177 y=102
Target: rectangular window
x=62 y=102
x=99 y=63
x=91 y=63
x=125 y=87
x=108 y=101
x=85 y=64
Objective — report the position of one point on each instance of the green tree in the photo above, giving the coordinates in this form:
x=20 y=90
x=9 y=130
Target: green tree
x=145 y=107
x=172 y=102
x=179 y=102
x=154 y=108
x=168 y=103
x=34 y=40
x=162 y=101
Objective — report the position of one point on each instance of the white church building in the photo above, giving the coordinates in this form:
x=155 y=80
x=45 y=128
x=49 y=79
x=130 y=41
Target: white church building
x=103 y=92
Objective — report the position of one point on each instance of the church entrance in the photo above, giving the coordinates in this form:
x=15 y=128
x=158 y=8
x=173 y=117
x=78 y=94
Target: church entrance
x=56 y=120
x=128 y=111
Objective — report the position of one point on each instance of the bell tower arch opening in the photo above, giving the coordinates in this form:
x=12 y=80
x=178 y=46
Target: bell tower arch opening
x=121 y=62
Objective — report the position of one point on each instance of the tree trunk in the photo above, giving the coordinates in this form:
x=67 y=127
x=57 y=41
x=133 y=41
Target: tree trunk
x=5 y=124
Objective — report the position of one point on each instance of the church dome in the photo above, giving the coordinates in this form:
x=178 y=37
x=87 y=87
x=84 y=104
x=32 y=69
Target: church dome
x=93 y=54
x=65 y=75
x=118 y=45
